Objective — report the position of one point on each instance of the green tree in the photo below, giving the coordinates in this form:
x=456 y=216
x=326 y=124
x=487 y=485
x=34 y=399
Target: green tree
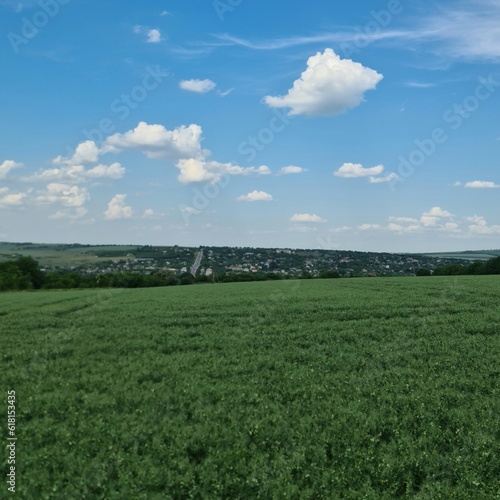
x=329 y=274
x=423 y=272
x=492 y=266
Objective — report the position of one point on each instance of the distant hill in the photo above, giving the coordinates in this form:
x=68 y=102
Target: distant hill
x=467 y=255
x=90 y=260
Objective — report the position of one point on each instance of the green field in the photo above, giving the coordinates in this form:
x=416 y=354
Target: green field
x=354 y=388
x=474 y=256
x=64 y=255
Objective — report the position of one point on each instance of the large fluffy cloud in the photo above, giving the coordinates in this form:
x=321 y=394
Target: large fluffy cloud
x=86 y=152
x=155 y=141
x=118 y=208
x=64 y=194
x=329 y=86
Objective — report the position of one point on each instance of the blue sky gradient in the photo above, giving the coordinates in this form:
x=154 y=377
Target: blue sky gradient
x=370 y=126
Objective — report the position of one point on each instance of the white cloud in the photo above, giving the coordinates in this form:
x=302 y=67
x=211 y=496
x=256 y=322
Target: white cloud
x=118 y=209
x=78 y=173
x=437 y=212
x=7 y=166
x=481 y=185
x=165 y=13
x=114 y=171
x=403 y=220
x=420 y=85
x=262 y=170
x=428 y=221
x=329 y=86
x=399 y=228
x=256 y=196
x=86 y=152
x=387 y=178
x=149 y=213
x=480 y=226
x=306 y=218
x=12 y=199
x=292 y=169
x=451 y=227
x=302 y=229
x=353 y=170
x=369 y=227
x=153 y=35
x=198 y=86
x=225 y=93
x=200 y=170
x=467 y=30
x=155 y=141
x=294 y=41
x=64 y=194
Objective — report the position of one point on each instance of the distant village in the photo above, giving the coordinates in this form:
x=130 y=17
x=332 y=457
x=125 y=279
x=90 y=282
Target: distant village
x=216 y=262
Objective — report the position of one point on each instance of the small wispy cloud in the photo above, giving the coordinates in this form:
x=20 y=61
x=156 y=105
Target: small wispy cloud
x=256 y=196
x=291 y=169
x=465 y=29
x=225 y=93
x=307 y=218
x=354 y=170
x=420 y=85
x=197 y=86
x=295 y=41
x=153 y=35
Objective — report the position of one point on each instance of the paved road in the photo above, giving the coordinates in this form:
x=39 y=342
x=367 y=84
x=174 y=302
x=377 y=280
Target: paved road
x=197 y=262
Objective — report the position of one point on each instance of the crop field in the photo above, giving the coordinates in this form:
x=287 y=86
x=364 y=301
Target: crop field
x=352 y=388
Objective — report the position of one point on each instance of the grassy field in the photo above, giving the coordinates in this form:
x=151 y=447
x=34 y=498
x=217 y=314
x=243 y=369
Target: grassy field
x=63 y=255
x=353 y=388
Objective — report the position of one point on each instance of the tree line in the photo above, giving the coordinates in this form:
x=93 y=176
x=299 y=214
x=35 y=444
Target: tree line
x=491 y=266
x=25 y=274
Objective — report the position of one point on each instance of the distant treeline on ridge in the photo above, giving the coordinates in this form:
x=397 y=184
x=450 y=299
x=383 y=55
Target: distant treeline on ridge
x=25 y=274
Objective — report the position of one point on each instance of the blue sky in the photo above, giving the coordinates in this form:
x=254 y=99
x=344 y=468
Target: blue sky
x=366 y=126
